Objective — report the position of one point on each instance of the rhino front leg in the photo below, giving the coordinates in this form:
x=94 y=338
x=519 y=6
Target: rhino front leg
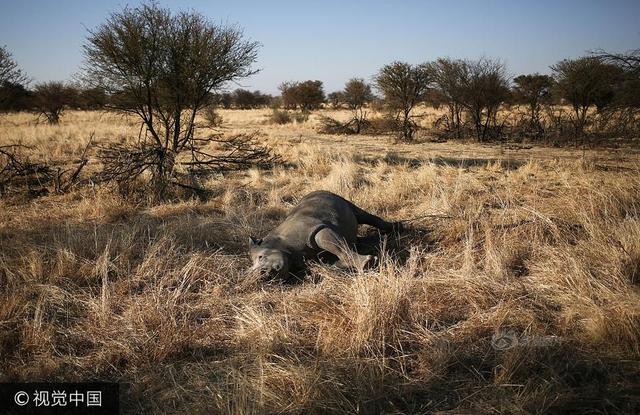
x=330 y=241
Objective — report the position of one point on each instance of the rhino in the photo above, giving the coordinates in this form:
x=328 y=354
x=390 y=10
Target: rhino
x=321 y=222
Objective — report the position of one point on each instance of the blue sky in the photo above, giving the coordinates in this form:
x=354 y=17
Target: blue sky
x=336 y=40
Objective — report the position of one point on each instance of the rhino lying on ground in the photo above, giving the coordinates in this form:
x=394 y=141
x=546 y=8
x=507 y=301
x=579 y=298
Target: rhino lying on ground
x=322 y=221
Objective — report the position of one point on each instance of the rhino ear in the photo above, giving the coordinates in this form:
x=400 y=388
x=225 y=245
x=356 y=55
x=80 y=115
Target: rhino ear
x=254 y=241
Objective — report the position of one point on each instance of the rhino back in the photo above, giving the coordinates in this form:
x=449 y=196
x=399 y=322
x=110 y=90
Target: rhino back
x=315 y=209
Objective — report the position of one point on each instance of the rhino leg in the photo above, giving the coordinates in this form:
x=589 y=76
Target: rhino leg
x=365 y=218
x=330 y=241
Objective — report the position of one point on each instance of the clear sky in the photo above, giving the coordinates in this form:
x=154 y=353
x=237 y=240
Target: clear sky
x=335 y=40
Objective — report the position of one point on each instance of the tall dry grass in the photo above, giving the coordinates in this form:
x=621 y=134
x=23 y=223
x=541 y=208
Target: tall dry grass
x=157 y=298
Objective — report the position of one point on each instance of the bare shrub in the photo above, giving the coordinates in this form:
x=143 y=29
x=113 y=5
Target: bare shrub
x=17 y=171
x=330 y=125
x=51 y=98
x=622 y=115
x=20 y=174
x=356 y=95
x=126 y=164
x=560 y=126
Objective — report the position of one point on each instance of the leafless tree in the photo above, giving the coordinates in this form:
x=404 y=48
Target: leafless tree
x=13 y=94
x=629 y=61
x=485 y=88
x=9 y=70
x=163 y=68
x=15 y=97
x=288 y=93
x=448 y=76
x=357 y=93
x=626 y=103
x=91 y=99
x=533 y=90
x=584 y=83
x=403 y=86
x=51 y=98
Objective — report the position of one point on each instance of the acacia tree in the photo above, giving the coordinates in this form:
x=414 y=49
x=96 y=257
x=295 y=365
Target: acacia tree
x=9 y=70
x=13 y=94
x=629 y=61
x=357 y=93
x=307 y=95
x=484 y=88
x=626 y=102
x=310 y=94
x=533 y=90
x=244 y=99
x=15 y=97
x=92 y=99
x=51 y=98
x=585 y=82
x=288 y=93
x=448 y=76
x=403 y=86
x=162 y=67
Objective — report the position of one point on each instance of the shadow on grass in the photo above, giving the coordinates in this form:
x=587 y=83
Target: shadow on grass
x=394 y=245
x=398 y=159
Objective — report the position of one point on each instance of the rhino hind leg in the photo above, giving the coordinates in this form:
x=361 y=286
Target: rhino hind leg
x=365 y=218
x=329 y=240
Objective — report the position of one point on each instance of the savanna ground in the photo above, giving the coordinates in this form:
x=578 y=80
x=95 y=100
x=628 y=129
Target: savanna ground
x=539 y=245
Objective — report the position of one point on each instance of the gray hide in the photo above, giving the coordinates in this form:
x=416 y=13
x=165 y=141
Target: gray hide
x=322 y=221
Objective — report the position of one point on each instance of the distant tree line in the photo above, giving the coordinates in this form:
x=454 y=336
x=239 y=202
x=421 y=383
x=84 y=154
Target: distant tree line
x=242 y=99
x=596 y=95
x=49 y=99
x=592 y=95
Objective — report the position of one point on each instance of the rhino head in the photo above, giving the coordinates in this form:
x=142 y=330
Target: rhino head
x=268 y=259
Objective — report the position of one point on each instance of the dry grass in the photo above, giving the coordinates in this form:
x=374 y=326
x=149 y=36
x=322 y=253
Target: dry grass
x=542 y=242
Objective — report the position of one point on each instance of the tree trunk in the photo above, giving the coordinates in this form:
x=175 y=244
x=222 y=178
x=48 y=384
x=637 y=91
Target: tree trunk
x=163 y=173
